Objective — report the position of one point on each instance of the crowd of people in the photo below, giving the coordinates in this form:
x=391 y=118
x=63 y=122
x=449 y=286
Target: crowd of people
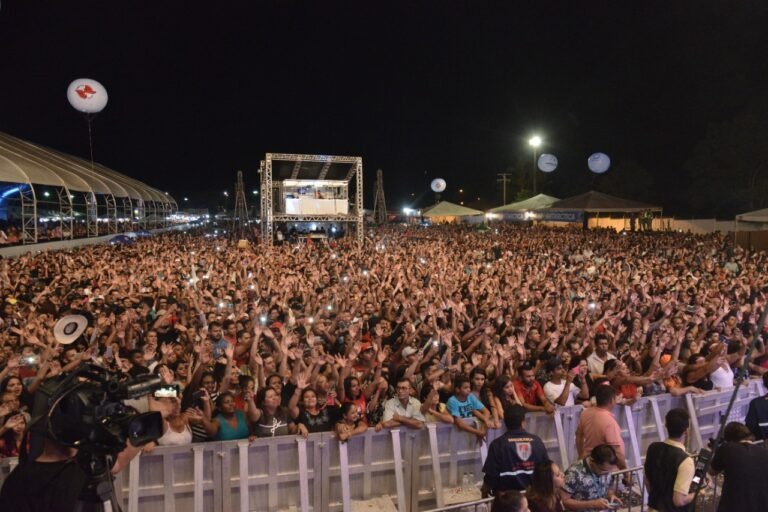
x=416 y=325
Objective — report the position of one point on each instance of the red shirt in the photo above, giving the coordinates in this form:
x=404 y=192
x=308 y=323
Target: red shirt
x=533 y=395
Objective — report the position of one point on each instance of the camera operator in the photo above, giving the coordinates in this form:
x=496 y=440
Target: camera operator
x=668 y=468
x=79 y=437
x=51 y=481
x=745 y=464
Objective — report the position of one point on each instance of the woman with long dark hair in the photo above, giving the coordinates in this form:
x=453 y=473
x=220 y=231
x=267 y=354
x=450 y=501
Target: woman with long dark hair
x=306 y=410
x=544 y=492
x=504 y=395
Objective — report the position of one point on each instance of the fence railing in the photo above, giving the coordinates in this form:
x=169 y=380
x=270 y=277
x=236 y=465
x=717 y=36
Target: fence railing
x=400 y=470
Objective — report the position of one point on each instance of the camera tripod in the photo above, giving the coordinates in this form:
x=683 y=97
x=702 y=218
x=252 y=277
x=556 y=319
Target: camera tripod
x=98 y=495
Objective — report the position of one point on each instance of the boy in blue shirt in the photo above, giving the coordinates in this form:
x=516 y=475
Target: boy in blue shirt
x=464 y=404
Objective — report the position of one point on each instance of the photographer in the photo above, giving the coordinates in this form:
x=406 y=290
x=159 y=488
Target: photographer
x=745 y=464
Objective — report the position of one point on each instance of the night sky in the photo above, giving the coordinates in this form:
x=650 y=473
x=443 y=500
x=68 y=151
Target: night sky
x=421 y=90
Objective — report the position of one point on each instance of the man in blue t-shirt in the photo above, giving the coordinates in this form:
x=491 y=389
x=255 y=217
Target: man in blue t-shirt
x=463 y=404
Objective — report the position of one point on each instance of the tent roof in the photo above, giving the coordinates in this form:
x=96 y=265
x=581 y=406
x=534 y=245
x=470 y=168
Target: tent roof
x=446 y=209
x=25 y=162
x=594 y=201
x=755 y=216
x=532 y=203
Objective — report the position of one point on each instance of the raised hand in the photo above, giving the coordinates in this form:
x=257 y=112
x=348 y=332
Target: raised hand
x=229 y=351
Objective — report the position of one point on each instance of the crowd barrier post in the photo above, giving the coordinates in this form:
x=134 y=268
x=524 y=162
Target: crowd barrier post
x=560 y=433
x=632 y=430
x=657 y=418
x=133 y=482
x=242 y=452
x=437 y=474
x=197 y=471
x=301 y=444
x=346 y=499
x=696 y=442
x=569 y=421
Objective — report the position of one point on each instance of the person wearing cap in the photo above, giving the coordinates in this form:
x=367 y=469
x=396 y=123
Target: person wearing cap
x=512 y=456
x=560 y=389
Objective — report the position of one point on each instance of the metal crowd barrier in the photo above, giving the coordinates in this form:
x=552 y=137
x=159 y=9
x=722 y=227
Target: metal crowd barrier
x=400 y=470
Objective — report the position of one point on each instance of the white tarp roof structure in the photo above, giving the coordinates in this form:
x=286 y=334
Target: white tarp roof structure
x=447 y=209
x=25 y=162
x=532 y=203
x=597 y=202
x=755 y=216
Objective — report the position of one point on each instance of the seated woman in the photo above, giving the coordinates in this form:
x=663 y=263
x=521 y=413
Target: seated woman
x=349 y=424
x=544 y=492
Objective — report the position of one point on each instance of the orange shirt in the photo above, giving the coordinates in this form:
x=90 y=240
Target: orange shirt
x=598 y=426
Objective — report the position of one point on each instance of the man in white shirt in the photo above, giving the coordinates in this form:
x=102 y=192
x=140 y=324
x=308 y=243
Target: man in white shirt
x=402 y=409
x=597 y=359
x=560 y=390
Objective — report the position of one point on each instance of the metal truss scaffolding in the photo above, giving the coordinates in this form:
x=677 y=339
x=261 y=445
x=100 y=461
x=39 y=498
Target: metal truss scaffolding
x=28 y=214
x=339 y=171
x=379 y=203
x=240 y=219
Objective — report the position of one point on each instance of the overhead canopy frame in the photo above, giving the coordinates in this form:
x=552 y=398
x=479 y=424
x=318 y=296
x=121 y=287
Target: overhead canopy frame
x=31 y=164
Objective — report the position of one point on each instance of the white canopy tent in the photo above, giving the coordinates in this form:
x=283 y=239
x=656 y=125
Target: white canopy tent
x=445 y=211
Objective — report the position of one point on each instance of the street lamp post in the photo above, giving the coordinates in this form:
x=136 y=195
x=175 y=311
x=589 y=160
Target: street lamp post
x=534 y=142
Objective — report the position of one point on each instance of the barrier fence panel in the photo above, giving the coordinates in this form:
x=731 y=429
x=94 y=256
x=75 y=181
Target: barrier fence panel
x=707 y=411
x=373 y=472
x=173 y=478
x=265 y=475
x=402 y=469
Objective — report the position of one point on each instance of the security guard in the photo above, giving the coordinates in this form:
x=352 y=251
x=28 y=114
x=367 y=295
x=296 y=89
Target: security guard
x=512 y=457
x=668 y=468
x=757 y=415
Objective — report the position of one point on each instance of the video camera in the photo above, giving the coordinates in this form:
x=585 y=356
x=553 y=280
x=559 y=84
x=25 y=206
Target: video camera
x=85 y=409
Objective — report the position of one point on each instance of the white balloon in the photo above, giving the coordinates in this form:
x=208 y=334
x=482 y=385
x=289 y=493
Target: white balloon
x=438 y=185
x=87 y=95
x=547 y=162
x=599 y=163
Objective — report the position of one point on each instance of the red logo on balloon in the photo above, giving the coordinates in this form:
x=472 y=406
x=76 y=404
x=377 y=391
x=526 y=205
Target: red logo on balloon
x=85 y=91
